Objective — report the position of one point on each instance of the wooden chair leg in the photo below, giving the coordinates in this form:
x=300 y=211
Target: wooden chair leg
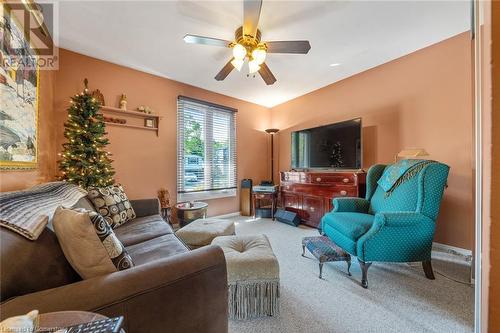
x=364 y=270
x=427 y=266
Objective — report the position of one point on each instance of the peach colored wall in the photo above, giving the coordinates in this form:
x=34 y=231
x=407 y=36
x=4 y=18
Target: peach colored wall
x=16 y=180
x=144 y=162
x=421 y=100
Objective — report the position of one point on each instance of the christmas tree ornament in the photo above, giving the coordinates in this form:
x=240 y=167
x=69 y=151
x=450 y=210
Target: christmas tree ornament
x=123 y=102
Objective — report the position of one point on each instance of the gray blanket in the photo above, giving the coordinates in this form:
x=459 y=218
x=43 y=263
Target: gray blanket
x=27 y=212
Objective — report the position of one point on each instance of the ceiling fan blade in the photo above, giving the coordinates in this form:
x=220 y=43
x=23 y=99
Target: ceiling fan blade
x=251 y=15
x=224 y=72
x=291 y=46
x=194 y=39
x=266 y=74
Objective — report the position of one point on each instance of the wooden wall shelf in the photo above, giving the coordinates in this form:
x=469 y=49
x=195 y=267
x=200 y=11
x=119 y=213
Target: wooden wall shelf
x=137 y=114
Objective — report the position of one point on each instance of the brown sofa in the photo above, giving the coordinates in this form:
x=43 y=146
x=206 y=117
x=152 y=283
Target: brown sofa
x=171 y=289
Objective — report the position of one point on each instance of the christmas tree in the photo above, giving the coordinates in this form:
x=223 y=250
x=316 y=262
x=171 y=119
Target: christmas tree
x=84 y=161
x=337 y=157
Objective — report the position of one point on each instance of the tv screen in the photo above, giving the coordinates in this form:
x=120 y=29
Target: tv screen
x=334 y=146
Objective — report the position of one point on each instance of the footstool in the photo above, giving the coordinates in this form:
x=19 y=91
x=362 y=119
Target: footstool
x=325 y=250
x=252 y=274
x=201 y=232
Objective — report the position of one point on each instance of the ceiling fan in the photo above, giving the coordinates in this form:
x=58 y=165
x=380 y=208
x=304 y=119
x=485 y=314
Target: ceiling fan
x=247 y=44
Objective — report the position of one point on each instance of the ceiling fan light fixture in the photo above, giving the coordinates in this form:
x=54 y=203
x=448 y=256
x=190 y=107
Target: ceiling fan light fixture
x=238 y=64
x=259 y=55
x=253 y=66
x=239 y=52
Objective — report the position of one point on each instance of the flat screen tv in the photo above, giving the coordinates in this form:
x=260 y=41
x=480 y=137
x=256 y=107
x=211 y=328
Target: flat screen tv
x=334 y=146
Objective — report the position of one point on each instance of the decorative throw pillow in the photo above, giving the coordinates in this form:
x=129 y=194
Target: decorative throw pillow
x=89 y=243
x=112 y=203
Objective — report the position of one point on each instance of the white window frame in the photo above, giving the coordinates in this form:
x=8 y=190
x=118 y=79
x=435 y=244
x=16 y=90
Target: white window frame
x=209 y=194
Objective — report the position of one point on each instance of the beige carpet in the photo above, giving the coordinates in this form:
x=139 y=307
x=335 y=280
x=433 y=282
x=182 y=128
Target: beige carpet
x=399 y=298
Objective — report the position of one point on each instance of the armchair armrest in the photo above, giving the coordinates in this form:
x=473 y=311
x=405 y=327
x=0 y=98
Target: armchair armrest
x=397 y=237
x=184 y=293
x=399 y=219
x=352 y=205
x=146 y=207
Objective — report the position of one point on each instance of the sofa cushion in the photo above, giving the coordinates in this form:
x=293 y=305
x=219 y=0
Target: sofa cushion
x=142 y=229
x=156 y=248
x=112 y=203
x=84 y=203
x=89 y=243
x=350 y=225
x=201 y=232
x=30 y=266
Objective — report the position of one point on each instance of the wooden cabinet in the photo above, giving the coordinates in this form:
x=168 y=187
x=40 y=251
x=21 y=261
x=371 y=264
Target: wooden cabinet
x=310 y=194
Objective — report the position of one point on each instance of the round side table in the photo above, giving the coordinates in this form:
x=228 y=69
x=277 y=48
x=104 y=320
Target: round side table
x=187 y=212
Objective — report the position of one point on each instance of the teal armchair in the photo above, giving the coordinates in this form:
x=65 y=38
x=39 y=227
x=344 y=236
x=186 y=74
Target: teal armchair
x=390 y=227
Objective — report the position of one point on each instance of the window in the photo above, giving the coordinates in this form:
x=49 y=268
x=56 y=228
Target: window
x=206 y=150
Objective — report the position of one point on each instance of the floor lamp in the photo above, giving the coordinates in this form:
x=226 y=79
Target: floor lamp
x=272 y=131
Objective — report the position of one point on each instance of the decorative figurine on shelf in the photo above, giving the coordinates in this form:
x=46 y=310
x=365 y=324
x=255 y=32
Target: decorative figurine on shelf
x=98 y=96
x=114 y=120
x=166 y=209
x=145 y=109
x=123 y=102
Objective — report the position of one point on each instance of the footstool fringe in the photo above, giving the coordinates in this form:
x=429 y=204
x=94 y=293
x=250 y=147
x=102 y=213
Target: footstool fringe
x=253 y=299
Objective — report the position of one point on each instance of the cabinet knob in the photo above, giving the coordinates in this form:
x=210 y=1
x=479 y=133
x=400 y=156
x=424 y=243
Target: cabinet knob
x=318 y=179
x=289 y=204
x=311 y=209
x=345 y=180
x=344 y=193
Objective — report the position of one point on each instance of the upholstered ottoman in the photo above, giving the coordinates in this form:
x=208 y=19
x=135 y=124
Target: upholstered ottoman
x=252 y=274
x=201 y=232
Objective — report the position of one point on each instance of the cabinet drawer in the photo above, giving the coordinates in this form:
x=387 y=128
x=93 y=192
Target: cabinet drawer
x=290 y=200
x=345 y=191
x=263 y=196
x=347 y=179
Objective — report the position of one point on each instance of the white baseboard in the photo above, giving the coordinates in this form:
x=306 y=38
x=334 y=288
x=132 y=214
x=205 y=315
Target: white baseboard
x=467 y=254
x=223 y=216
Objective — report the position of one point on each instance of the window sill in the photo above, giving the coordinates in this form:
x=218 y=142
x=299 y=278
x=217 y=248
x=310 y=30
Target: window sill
x=208 y=195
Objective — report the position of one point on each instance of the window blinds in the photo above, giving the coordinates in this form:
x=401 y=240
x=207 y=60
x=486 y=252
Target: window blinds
x=206 y=147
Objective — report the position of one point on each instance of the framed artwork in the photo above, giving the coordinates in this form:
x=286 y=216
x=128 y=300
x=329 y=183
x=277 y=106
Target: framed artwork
x=149 y=123
x=19 y=92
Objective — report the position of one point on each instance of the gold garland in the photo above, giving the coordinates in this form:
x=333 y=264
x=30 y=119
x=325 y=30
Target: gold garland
x=412 y=172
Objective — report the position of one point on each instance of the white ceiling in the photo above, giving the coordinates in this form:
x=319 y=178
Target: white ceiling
x=358 y=35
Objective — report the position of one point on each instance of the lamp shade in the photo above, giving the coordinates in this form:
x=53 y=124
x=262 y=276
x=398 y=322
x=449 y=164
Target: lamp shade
x=412 y=152
x=239 y=52
x=253 y=67
x=238 y=63
x=259 y=55
x=272 y=130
